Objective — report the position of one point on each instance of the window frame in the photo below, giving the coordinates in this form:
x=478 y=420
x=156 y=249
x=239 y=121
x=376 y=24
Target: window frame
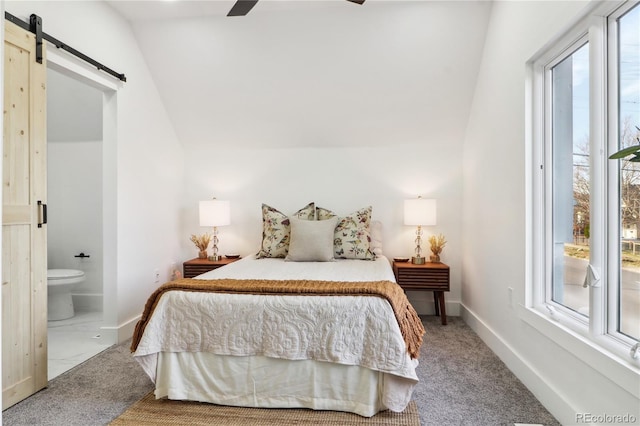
x=594 y=339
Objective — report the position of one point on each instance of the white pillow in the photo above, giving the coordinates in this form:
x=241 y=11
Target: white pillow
x=376 y=237
x=311 y=241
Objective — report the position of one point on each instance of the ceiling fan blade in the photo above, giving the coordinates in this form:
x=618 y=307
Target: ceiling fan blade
x=242 y=7
x=356 y=1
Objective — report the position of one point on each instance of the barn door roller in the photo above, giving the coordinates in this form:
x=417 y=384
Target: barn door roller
x=36 y=28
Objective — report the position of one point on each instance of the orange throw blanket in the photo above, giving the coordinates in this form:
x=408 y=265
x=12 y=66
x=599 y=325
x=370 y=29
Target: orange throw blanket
x=410 y=324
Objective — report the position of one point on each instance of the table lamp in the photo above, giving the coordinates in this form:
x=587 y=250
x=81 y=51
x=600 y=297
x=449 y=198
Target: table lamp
x=419 y=212
x=215 y=213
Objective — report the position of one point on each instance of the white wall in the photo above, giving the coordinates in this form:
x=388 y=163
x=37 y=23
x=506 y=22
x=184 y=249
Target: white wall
x=494 y=220
x=340 y=179
x=74 y=184
x=149 y=156
x=74 y=195
x=74 y=109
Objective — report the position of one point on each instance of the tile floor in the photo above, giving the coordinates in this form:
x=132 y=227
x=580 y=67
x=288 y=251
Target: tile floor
x=73 y=341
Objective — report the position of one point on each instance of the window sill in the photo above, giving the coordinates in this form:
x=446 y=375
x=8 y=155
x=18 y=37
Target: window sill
x=624 y=372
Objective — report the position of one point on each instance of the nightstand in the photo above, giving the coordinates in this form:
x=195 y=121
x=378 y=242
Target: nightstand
x=197 y=266
x=429 y=276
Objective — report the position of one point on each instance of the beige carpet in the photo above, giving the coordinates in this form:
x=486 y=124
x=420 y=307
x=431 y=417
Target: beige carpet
x=150 y=411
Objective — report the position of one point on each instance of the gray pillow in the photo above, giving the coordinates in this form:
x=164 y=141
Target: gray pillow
x=311 y=241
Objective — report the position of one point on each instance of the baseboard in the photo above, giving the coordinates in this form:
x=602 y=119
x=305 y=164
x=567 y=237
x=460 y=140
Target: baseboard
x=544 y=391
x=120 y=333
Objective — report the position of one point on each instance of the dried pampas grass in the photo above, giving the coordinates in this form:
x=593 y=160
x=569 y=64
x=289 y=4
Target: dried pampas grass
x=437 y=243
x=201 y=241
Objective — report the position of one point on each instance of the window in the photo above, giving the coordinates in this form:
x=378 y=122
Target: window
x=586 y=232
x=569 y=105
x=628 y=64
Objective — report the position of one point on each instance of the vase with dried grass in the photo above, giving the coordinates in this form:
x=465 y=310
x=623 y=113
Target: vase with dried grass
x=437 y=244
x=201 y=242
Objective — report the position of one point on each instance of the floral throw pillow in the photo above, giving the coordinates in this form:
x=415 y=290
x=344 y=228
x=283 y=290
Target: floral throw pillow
x=352 y=236
x=276 y=229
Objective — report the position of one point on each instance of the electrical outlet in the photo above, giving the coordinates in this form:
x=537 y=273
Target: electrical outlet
x=510 y=292
x=157 y=275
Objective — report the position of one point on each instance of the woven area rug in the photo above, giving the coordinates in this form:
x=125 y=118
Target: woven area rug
x=151 y=411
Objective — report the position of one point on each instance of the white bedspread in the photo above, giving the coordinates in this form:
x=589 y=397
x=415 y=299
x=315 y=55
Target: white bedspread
x=349 y=330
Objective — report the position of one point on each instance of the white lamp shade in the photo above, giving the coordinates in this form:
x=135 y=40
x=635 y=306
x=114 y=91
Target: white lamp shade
x=215 y=213
x=420 y=211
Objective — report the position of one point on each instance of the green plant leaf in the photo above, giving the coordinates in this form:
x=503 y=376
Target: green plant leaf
x=624 y=152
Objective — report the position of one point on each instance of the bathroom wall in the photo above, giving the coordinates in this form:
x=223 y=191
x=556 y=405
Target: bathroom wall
x=75 y=215
x=74 y=135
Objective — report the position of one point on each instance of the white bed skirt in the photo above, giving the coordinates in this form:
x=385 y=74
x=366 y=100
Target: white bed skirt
x=257 y=381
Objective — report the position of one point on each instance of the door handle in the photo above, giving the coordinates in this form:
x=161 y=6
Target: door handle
x=42 y=214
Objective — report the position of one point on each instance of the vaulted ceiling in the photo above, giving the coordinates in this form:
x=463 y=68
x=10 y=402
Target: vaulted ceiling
x=313 y=73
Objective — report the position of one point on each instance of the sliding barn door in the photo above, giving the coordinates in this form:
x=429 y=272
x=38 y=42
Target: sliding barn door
x=24 y=241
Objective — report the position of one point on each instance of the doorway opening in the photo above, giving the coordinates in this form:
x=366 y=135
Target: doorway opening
x=81 y=186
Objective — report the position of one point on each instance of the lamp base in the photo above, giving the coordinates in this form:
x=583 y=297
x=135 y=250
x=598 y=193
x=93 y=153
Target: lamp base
x=214 y=258
x=418 y=260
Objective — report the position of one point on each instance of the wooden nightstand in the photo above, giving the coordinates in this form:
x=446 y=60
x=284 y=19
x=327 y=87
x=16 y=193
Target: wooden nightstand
x=430 y=276
x=197 y=266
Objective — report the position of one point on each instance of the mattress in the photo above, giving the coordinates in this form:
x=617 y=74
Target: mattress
x=341 y=353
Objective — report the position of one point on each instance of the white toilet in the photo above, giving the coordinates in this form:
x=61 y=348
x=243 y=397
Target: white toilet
x=59 y=285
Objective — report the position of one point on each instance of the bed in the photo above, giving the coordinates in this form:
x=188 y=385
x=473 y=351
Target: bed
x=346 y=339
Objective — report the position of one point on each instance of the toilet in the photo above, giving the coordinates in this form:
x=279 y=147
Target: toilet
x=59 y=285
